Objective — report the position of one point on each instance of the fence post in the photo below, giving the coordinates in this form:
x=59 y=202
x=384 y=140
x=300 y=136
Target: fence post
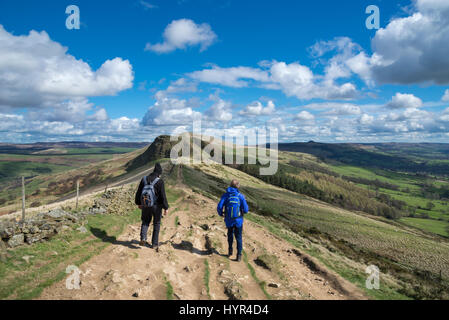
x=23 y=198
x=77 y=193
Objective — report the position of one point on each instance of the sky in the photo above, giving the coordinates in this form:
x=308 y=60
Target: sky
x=136 y=69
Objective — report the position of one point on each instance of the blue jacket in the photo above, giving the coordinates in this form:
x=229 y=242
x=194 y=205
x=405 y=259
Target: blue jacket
x=238 y=222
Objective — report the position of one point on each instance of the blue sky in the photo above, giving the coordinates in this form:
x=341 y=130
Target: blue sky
x=137 y=69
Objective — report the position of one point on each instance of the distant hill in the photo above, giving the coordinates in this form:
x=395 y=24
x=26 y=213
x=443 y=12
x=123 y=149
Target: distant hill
x=414 y=158
x=42 y=146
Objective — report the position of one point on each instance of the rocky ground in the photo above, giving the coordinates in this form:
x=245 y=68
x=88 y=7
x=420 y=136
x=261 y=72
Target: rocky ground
x=191 y=264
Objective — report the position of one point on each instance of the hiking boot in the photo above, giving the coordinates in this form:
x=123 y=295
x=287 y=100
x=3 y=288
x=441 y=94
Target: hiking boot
x=143 y=243
x=239 y=258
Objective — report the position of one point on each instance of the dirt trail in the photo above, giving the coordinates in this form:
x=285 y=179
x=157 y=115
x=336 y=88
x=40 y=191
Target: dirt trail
x=190 y=235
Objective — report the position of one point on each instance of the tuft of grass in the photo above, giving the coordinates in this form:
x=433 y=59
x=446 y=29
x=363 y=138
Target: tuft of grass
x=169 y=289
x=262 y=284
x=207 y=277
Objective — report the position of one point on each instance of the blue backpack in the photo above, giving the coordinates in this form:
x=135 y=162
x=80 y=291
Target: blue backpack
x=148 y=198
x=233 y=206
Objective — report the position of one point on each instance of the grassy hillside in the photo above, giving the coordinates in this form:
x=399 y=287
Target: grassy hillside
x=345 y=214
x=411 y=262
x=364 y=179
x=50 y=177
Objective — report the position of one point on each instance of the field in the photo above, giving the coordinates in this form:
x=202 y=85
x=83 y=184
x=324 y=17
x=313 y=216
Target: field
x=420 y=195
x=51 y=171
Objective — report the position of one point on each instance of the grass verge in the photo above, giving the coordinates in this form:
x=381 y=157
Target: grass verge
x=49 y=260
x=261 y=284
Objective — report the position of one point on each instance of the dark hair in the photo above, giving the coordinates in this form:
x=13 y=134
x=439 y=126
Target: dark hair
x=157 y=169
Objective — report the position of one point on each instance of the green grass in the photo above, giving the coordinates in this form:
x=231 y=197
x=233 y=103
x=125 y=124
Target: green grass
x=207 y=277
x=16 y=169
x=358 y=277
x=19 y=280
x=176 y=221
x=430 y=225
x=261 y=284
x=169 y=289
x=112 y=150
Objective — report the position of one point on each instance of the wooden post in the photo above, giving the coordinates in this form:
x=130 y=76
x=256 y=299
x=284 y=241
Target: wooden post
x=77 y=193
x=23 y=198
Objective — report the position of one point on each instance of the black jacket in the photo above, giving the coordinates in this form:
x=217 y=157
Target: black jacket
x=159 y=189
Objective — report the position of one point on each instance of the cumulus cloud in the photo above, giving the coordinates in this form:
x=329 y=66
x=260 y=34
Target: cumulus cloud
x=170 y=111
x=305 y=116
x=401 y=101
x=412 y=49
x=366 y=119
x=299 y=81
x=36 y=71
x=180 y=34
x=257 y=109
x=293 y=79
x=219 y=111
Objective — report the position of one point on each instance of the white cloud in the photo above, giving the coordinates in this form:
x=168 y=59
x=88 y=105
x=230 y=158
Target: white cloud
x=305 y=116
x=445 y=97
x=180 y=34
x=219 y=111
x=168 y=111
x=21 y=128
x=293 y=79
x=71 y=111
x=299 y=81
x=36 y=71
x=257 y=109
x=412 y=49
x=366 y=119
x=231 y=77
x=401 y=101
x=181 y=85
x=146 y=5
x=344 y=109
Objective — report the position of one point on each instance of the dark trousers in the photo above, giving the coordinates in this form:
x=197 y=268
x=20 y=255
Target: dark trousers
x=237 y=233
x=148 y=214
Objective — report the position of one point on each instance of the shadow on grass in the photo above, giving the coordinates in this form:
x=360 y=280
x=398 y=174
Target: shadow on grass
x=103 y=236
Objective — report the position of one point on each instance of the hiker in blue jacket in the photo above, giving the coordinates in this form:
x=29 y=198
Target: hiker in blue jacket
x=235 y=206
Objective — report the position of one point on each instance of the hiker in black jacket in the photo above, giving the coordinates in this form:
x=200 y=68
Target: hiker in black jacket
x=155 y=212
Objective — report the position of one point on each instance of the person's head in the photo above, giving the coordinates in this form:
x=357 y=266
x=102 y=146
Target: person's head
x=235 y=184
x=157 y=169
